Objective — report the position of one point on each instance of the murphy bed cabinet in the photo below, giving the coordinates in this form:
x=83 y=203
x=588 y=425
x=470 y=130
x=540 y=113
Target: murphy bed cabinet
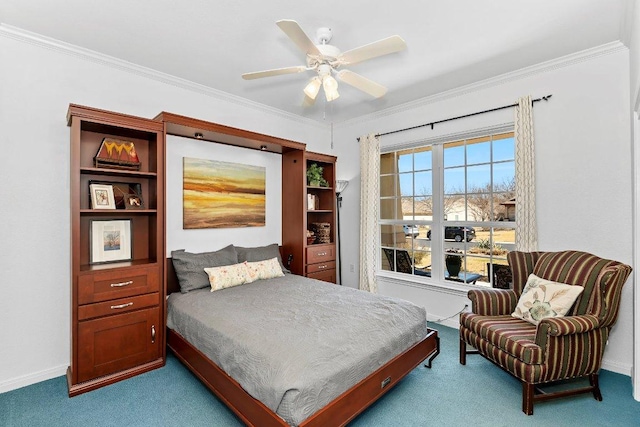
x=117 y=308
x=309 y=206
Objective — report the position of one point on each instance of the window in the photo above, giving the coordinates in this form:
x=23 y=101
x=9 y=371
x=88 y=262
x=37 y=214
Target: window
x=447 y=209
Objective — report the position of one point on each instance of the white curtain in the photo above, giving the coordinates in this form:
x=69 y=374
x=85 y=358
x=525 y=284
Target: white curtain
x=526 y=227
x=369 y=204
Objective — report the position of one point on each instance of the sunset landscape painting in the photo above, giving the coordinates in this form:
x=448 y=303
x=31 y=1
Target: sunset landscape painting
x=222 y=195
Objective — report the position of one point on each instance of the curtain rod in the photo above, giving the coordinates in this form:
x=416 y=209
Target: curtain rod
x=544 y=98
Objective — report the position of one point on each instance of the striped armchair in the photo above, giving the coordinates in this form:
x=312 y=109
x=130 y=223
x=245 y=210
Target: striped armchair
x=558 y=348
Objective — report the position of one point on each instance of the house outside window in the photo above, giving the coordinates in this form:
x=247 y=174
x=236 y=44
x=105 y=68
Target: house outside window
x=447 y=209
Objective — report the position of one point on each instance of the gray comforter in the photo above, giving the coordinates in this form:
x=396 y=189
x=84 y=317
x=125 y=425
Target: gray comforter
x=295 y=343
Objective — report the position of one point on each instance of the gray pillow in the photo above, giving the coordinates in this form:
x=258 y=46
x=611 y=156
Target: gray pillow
x=190 y=267
x=260 y=253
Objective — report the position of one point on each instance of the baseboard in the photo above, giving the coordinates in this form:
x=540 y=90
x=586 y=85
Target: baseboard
x=36 y=377
x=618 y=368
x=452 y=323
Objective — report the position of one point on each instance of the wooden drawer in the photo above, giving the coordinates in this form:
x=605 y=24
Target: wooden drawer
x=115 y=343
x=325 y=275
x=117 y=306
x=120 y=283
x=321 y=253
x=315 y=268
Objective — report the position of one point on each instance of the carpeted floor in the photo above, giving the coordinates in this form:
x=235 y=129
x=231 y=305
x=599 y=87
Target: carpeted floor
x=478 y=394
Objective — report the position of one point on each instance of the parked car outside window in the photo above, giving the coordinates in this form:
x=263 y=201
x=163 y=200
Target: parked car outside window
x=411 y=230
x=457 y=233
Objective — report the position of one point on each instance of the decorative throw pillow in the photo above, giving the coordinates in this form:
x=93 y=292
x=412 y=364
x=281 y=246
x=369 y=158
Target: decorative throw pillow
x=228 y=276
x=264 y=269
x=543 y=298
x=260 y=253
x=189 y=266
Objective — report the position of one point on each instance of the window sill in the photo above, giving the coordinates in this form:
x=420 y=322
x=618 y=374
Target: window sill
x=451 y=288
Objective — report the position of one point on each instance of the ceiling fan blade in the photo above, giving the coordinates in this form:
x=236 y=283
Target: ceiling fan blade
x=295 y=33
x=364 y=84
x=372 y=50
x=274 y=72
x=308 y=101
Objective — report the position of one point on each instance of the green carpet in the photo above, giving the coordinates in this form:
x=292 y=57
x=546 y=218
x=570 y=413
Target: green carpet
x=478 y=394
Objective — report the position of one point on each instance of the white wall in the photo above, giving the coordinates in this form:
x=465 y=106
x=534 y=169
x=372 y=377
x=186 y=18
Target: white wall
x=38 y=80
x=215 y=238
x=583 y=166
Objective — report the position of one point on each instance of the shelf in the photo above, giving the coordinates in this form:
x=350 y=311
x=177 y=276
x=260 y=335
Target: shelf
x=320 y=211
x=116 y=265
x=309 y=187
x=110 y=212
x=118 y=172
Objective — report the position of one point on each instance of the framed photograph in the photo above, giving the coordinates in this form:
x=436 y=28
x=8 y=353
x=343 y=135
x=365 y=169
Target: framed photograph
x=102 y=196
x=110 y=241
x=133 y=201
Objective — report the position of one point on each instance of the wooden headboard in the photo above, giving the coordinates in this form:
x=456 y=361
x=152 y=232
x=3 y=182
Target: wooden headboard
x=172 y=279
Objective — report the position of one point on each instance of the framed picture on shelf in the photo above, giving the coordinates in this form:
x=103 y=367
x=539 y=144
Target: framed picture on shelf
x=110 y=241
x=102 y=196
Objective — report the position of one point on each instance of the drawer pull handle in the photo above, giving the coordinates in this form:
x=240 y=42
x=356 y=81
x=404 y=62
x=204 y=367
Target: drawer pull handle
x=153 y=334
x=322 y=253
x=118 y=285
x=129 y=304
x=322 y=267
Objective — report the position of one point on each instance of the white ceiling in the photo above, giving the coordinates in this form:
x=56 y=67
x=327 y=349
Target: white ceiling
x=213 y=42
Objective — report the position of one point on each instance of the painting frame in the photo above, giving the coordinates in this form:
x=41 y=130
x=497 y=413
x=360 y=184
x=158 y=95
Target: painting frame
x=220 y=194
x=102 y=196
x=110 y=240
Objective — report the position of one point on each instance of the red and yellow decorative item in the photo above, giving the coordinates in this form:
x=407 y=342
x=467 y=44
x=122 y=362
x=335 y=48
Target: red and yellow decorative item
x=114 y=153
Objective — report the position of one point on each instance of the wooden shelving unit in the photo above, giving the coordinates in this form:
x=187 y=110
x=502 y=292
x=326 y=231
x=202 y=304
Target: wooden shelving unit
x=117 y=309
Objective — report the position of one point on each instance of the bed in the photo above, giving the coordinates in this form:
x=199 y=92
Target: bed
x=259 y=360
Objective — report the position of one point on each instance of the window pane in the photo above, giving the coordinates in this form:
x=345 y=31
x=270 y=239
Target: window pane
x=423 y=208
x=406 y=184
x=454 y=208
x=422 y=159
x=454 y=181
x=479 y=179
x=479 y=153
x=504 y=175
x=504 y=149
x=504 y=207
x=453 y=154
x=479 y=207
x=388 y=186
x=388 y=164
x=405 y=161
x=388 y=208
x=407 y=208
x=424 y=184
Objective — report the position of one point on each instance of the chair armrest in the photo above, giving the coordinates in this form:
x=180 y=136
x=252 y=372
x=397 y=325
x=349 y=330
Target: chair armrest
x=492 y=302
x=560 y=326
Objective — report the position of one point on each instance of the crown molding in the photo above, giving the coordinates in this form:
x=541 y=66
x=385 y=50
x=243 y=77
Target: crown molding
x=39 y=40
x=540 y=68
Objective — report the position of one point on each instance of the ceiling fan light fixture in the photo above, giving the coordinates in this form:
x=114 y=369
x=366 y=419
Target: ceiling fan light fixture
x=313 y=87
x=330 y=86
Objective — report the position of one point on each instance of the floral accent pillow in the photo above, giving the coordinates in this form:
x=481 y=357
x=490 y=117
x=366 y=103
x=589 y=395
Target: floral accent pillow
x=543 y=298
x=264 y=269
x=228 y=276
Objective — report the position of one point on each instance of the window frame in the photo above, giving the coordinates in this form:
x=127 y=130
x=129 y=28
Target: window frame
x=437 y=241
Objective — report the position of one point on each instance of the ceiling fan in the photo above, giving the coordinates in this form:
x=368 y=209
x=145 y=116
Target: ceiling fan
x=325 y=59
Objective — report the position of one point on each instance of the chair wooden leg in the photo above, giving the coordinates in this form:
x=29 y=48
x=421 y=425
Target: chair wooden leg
x=528 y=390
x=593 y=380
x=463 y=352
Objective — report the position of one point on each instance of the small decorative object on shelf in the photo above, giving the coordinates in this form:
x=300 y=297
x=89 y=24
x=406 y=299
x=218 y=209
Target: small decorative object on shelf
x=102 y=196
x=315 y=177
x=133 y=201
x=114 y=153
x=311 y=238
x=312 y=202
x=110 y=241
x=322 y=231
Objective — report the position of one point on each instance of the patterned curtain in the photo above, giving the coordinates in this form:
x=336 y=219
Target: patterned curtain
x=369 y=203
x=526 y=226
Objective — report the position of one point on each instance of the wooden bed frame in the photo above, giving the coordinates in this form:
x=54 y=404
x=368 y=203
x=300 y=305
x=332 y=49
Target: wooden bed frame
x=338 y=412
